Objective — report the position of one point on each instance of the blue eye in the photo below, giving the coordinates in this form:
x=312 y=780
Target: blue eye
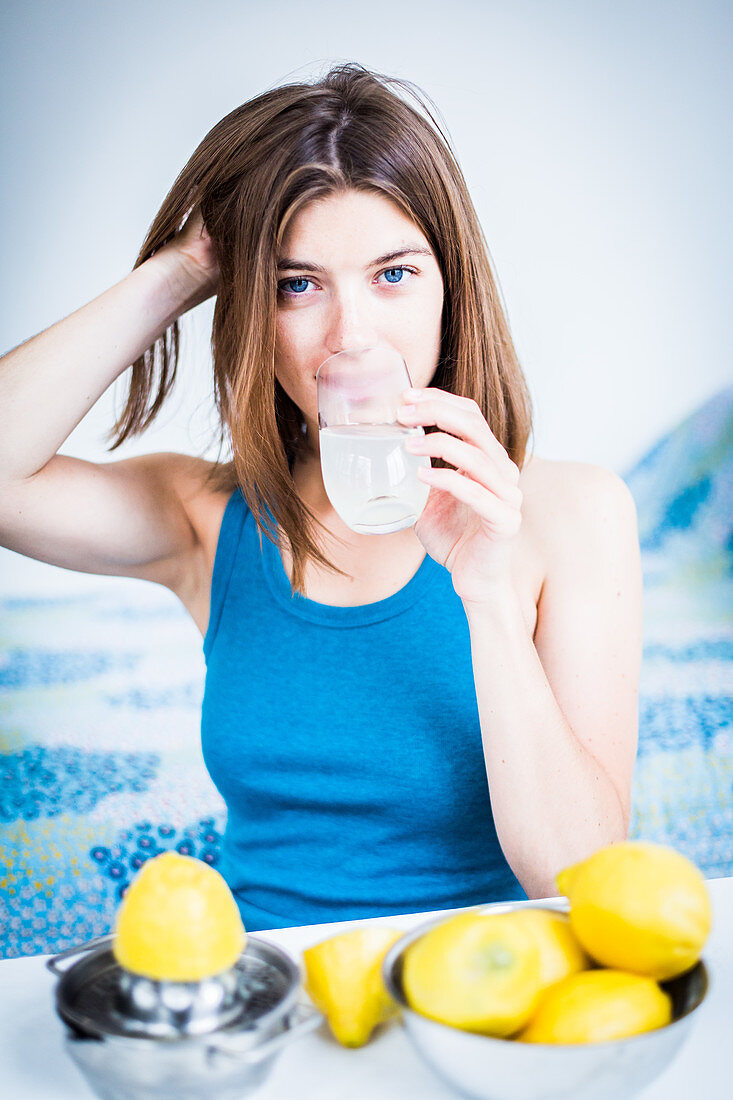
x=300 y=279
x=399 y=271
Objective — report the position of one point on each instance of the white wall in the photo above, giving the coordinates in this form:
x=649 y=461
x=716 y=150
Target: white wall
x=592 y=134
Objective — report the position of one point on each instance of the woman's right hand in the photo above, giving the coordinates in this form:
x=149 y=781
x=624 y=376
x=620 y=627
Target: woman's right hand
x=191 y=257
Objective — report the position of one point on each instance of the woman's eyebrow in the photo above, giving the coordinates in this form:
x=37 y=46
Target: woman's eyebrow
x=288 y=264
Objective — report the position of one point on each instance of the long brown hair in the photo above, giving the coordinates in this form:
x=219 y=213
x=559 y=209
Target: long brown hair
x=256 y=169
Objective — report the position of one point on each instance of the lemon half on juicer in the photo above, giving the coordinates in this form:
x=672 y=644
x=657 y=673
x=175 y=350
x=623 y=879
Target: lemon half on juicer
x=178 y=922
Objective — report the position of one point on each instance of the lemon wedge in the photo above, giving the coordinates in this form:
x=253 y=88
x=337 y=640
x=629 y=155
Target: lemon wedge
x=344 y=980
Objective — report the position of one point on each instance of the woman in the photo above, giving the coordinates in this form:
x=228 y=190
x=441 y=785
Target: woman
x=433 y=718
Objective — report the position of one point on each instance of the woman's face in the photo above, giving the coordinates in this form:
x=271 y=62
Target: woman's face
x=354 y=271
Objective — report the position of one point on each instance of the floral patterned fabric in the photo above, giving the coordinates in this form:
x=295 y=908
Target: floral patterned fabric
x=101 y=683
x=682 y=791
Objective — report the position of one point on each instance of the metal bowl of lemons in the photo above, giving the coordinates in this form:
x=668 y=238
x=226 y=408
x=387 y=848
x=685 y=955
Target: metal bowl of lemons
x=490 y=1041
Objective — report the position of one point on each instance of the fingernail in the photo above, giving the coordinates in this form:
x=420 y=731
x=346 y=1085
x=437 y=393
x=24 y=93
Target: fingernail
x=413 y=393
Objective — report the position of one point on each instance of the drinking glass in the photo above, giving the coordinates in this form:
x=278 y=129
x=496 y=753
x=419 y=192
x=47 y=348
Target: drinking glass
x=369 y=477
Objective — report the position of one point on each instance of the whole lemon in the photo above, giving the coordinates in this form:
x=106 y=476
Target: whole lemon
x=475 y=971
x=344 y=980
x=178 y=921
x=560 y=952
x=597 y=1006
x=640 y=907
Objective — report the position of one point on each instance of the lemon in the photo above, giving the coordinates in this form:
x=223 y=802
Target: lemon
x=560 y=952
x=640 y=907
x=475 y=971
x=597 y=1006
x=344 y=980
x=178 y=921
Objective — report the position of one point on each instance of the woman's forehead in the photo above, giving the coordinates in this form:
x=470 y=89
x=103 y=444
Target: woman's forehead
x=361 y=224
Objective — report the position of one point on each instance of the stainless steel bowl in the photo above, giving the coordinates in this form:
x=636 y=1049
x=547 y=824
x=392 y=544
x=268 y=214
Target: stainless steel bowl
x=486 y=1068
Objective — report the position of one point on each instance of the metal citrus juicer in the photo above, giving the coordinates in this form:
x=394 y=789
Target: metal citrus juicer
x=135 y=1038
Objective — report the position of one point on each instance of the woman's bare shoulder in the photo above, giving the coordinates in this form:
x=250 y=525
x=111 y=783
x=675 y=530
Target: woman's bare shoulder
x=204 y=487
x=562 y=498
x=198 y=478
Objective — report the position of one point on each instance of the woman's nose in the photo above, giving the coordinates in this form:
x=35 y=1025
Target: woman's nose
x=350 y=325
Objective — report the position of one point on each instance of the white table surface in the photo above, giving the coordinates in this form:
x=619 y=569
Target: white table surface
x=34 y=1065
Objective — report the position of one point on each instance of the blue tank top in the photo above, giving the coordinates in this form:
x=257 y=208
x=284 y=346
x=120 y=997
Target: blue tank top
x=345 y=742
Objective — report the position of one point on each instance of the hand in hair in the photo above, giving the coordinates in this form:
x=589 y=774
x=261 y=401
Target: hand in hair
x=473 y=513
x=192 y=249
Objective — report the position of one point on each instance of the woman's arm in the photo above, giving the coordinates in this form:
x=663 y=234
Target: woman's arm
x=559 y=714
x=49 y=383
x=126 y=518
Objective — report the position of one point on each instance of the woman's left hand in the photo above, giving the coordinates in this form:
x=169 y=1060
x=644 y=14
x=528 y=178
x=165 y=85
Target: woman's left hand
x=473 y=512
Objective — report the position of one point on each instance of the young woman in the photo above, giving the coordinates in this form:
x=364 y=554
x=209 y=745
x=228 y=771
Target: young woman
x=433 y=718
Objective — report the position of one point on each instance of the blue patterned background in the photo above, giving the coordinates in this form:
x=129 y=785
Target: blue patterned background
x=100 y=698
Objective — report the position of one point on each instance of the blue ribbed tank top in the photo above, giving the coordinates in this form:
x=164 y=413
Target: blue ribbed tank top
x=345 y=742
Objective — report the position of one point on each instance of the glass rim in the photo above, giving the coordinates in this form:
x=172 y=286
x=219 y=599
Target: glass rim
x=362 y=351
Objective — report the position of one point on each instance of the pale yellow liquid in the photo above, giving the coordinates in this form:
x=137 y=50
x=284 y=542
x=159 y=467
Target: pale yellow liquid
x=369 y=477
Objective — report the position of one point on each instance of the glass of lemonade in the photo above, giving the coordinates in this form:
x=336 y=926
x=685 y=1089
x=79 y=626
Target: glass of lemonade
x=369 y=477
